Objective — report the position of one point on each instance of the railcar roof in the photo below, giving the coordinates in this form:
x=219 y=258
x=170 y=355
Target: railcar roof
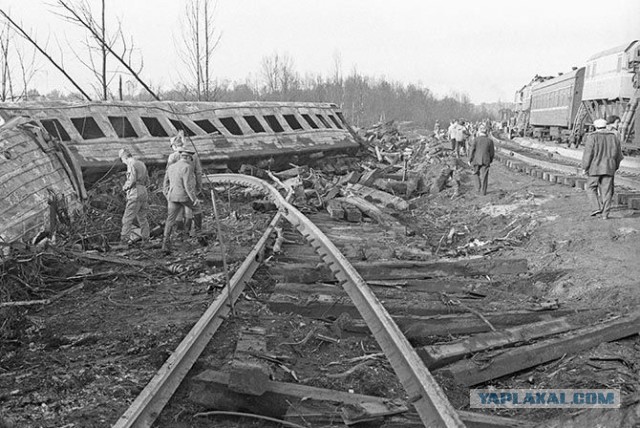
x=611 y=51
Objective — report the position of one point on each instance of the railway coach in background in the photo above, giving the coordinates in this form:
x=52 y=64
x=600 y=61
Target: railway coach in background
x=555 y=104
x=565 y=107
x=608 y=87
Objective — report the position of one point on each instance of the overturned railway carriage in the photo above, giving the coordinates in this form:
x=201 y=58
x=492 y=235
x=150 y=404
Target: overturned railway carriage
x=223 y=134
x=48 y=151
x=38 y=181
x=554 y=105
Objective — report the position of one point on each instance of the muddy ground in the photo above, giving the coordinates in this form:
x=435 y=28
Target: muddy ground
x=82 y=359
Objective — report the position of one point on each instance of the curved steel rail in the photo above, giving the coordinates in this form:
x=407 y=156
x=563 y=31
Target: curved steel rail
x=423 y=391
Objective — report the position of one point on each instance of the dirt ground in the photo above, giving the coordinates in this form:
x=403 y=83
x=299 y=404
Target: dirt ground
x=81 y=360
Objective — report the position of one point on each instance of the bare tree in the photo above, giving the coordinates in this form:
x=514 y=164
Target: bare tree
x=80 y=14
x=199 y=40
x=280 y=77
x=7 y=84
x=40 y=49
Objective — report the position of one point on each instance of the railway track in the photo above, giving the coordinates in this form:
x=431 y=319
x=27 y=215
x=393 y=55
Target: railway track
x=424 y=392
x=559 y=165
x=390 y=330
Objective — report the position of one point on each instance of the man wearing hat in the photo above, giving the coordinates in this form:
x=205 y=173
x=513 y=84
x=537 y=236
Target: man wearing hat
x=481 y=153
x=600 y=160
x=179 y=187
x=137 y=206
x=195 y=215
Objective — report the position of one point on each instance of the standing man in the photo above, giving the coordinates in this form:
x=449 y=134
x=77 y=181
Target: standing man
x=451 y=134
x=137 y=206
x=179 y=188
x=600 y=160
x=481 y=153
x=460 y=134
x=195 y=214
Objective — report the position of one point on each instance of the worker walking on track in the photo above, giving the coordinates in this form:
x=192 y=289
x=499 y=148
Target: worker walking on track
x=481 y=153
x=179 y=187
x=600 y=161
x=137 y=205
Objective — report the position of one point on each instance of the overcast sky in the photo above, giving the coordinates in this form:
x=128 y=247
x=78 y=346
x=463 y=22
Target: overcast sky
x=484 y=48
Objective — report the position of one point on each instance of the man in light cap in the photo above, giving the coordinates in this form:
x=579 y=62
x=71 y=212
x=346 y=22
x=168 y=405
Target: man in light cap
x=137 y=206
x=600 y=161
x=188 y=216
x=481 y=153
x=179 y=188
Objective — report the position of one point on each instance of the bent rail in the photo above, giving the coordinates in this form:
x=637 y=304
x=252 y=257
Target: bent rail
x=424 y=393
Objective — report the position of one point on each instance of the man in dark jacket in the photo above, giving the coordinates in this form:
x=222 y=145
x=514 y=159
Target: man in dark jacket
x=600 y=160
x=481 y=155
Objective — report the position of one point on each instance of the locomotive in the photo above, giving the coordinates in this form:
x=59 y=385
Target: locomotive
x=563 y=108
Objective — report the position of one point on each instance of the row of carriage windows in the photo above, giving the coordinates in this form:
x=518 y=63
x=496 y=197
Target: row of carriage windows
x=558 y=98
x=89 y=128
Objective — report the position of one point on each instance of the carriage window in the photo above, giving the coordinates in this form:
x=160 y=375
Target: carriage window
x=310 y=121
x=231 y=125
x=323 y=120
x=122 y=127
x=206 y=126
x=87 y=127
x=273 y=123
x=254 y=124
x=55 y=129
x=341 y=117
x=180 y=126
x=334 y=120
x=292 y=121
x=619 y=67
x=154 y=127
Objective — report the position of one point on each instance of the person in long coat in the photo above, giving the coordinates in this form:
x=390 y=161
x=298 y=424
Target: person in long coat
x=600 y=160
x=481 y=153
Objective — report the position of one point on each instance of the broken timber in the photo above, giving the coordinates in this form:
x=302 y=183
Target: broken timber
x=435 y=356
x=468 y=373
x=211 y=390
x=374 y=195
x=248 y=374
x=382 y=270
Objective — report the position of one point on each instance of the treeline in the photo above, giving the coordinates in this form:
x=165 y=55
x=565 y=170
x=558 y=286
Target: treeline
x=364 y=100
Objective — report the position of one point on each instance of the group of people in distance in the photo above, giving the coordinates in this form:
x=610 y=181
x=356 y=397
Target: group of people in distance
x=181 y=186
x=472 y=140
x=601 y=158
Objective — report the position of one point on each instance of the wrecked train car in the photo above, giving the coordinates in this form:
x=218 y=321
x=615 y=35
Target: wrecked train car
x=223 y=134
x=51 y=149
x=38 y=180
